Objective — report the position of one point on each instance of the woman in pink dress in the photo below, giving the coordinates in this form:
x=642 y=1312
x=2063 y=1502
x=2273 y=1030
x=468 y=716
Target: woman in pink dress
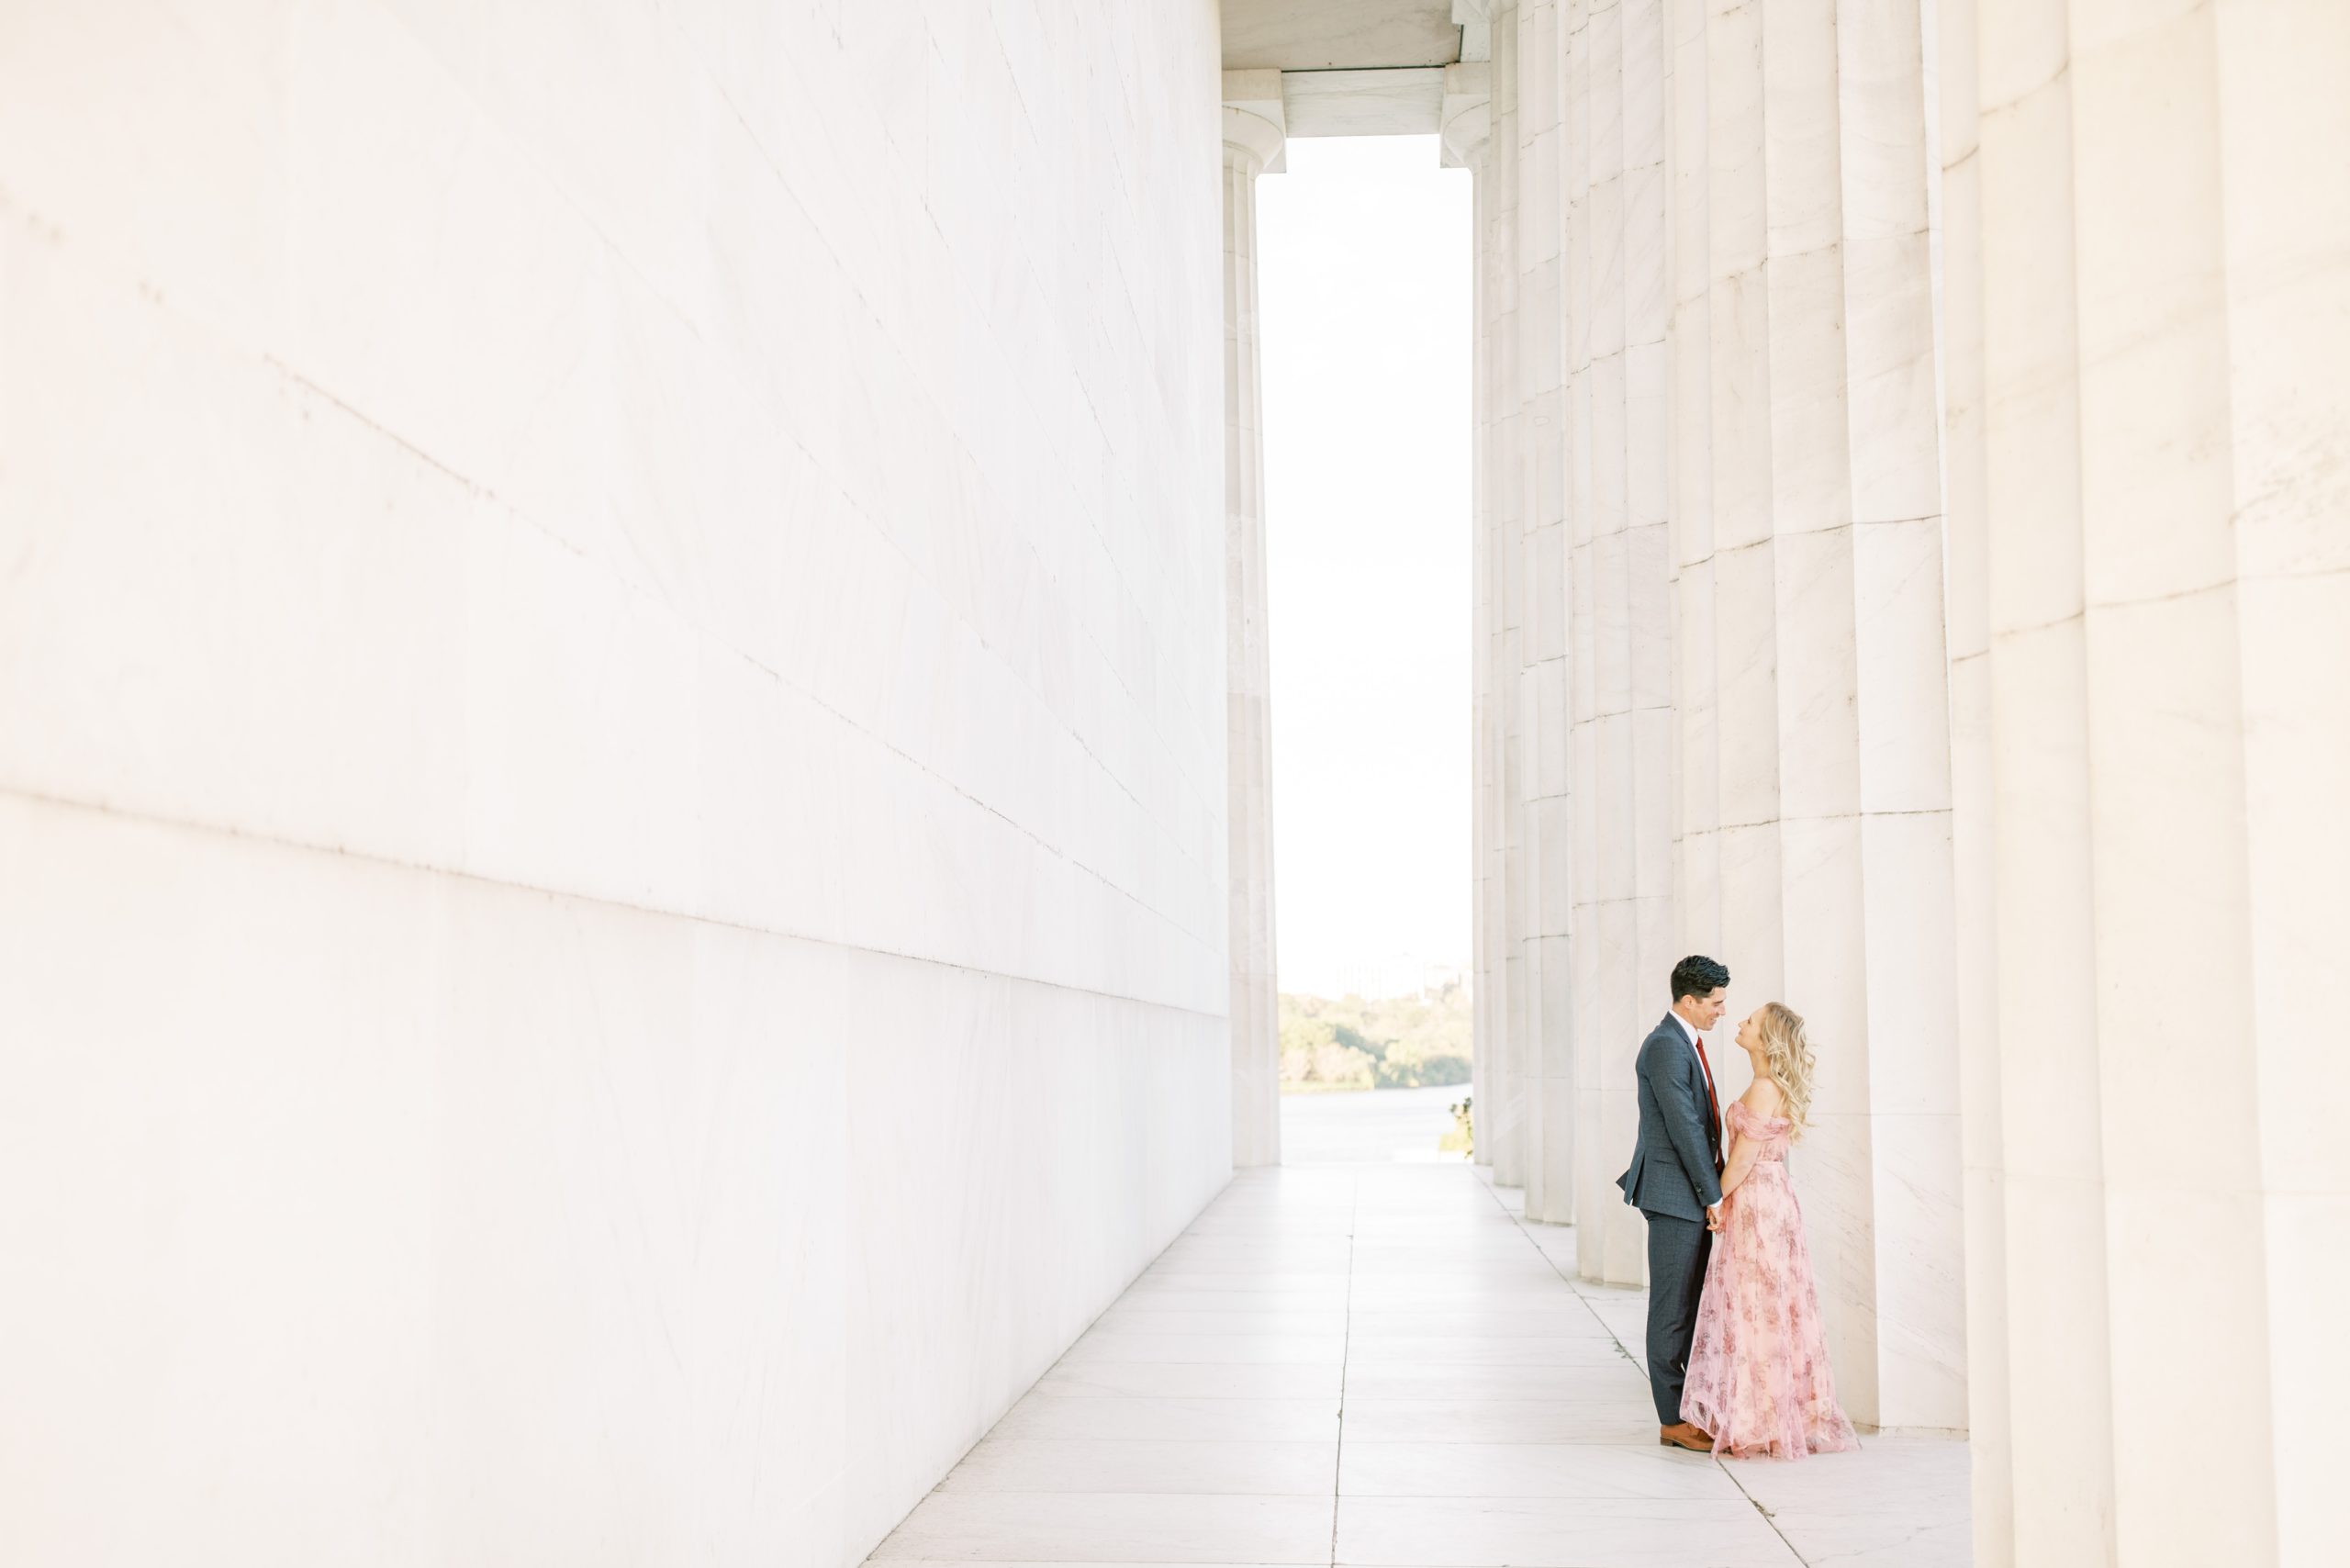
x=1758 y=1367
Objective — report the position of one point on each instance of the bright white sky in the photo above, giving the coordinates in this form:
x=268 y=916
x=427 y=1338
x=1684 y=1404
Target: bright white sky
x=1363 y=272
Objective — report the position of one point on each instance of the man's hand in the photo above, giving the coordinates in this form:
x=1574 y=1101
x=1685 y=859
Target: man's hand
x=1714 y=1219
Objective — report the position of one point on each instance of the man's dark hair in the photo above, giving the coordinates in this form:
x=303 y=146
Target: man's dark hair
x=1697 y=975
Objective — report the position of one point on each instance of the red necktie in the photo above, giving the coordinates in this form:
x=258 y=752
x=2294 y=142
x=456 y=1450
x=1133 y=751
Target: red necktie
x=1713 y=1105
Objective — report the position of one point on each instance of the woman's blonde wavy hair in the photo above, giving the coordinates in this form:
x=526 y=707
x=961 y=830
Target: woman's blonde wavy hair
x=1787 y=1053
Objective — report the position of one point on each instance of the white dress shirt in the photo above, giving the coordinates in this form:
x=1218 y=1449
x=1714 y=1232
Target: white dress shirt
x=1690 y=1030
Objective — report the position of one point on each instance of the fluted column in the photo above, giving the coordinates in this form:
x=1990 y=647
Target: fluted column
x=1816 y=859
x=1466 y=120
x=2162 y=577
x=1975 y=881
x=1502 y=1123
x=1696 y=829
x=1889 y=1099
x=2282 y=115
x=1614 y=177
x=1252 y=145
x=1546 y=713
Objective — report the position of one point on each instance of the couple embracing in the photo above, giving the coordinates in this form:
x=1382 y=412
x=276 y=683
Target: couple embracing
x=1736 y=1358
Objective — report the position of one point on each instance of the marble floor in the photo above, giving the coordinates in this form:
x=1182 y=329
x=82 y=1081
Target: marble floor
x=1381 y=1365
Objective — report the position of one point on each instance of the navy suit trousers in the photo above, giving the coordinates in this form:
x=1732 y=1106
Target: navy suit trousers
x=1677 y=1252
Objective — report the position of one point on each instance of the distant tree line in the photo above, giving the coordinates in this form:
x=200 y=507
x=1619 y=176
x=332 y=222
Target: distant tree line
x=1404 y=1042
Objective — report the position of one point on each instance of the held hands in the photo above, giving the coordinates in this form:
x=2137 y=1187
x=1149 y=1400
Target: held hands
x=1714 y=1219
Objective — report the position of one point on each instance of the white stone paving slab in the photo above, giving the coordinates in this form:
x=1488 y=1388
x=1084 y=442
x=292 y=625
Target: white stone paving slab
x=1485 y=1411
x=1197 y=1380
x=1118 y=1345
x=1222 y=1468
x=981 y=1527
x=1528 y=1470
x=1557 y=1532
x=1142 y=1319
x=1200 y=1421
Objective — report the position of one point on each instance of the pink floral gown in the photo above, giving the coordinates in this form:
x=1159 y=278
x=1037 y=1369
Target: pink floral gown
x=1758 y=1367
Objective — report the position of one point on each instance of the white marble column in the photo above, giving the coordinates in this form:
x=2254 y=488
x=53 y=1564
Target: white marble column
x=1252 y=146
x=1466 y=119
x=2161 y=577
x=1502 y=1122
x=1975 y=881
x=1546 y=713
x=1895 y=1113
x=1816 y=859
x=1465 y=125
x=1465 y=122
x=1696 y=822
x=1614 y=177
x=2284 y=124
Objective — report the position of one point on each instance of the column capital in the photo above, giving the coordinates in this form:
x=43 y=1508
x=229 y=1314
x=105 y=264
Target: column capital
x=1466 y=119
x=1254 y=122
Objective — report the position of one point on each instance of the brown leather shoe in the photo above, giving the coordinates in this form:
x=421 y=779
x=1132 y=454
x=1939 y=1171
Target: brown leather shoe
x=1685 y=1435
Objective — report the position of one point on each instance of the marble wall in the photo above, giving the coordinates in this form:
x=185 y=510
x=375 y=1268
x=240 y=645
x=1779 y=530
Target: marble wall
x=612 y=707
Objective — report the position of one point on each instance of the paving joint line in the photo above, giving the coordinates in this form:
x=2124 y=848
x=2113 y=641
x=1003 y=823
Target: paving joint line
x=1346 y=1344
x=1622 y=1350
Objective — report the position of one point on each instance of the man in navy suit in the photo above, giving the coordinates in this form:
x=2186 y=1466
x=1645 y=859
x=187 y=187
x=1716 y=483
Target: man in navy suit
x=1676 y=1180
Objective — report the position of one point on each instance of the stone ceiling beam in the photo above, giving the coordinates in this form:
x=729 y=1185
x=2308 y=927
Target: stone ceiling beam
x=1339 y=34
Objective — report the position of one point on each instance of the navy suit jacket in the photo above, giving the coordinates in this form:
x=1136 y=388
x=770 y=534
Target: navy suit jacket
x=1677 y=1161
